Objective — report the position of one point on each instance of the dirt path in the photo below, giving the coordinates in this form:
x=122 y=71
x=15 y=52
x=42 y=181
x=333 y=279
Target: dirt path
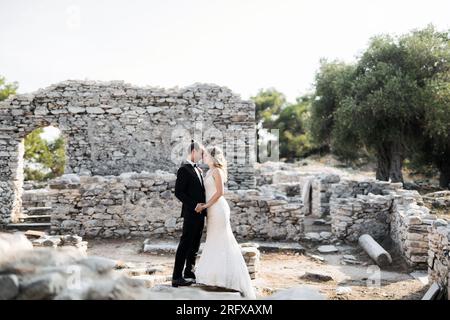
x=284 y=270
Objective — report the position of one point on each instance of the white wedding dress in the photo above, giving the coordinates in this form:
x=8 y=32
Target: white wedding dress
x=221 y=263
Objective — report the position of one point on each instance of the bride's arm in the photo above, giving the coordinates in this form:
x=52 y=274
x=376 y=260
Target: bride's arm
x=219 y=189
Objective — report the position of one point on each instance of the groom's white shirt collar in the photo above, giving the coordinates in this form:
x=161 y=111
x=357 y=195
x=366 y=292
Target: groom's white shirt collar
x=196 y=171
x=190 y=162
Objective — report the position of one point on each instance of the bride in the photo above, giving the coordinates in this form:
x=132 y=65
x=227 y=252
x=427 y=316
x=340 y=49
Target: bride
x=221 y=263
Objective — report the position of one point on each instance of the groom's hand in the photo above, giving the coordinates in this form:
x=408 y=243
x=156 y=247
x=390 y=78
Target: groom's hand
x=198 y=208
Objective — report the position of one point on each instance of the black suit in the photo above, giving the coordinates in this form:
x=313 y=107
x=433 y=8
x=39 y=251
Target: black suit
x=190 y=191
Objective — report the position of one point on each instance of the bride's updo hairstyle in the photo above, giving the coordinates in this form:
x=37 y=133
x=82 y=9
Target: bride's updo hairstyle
x=219 y=159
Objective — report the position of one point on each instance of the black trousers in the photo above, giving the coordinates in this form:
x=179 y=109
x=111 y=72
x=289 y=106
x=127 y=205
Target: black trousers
x=189 y=244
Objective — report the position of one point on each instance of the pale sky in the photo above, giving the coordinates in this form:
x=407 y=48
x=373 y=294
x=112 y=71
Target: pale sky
x=242 y=44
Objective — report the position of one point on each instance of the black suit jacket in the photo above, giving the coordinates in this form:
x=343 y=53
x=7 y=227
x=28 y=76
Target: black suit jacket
x=189 y=190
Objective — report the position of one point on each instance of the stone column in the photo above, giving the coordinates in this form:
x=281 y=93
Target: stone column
x=321 y=194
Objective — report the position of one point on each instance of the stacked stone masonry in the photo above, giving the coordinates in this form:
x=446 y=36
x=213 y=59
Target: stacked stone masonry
x=61 y=241
x=113 y=127
x=311 y=189
x=251 y=256
x=321 y=193
x=385 y=211
x=438 y=254
x=144 y=205
x=359 y=207
x=409 y=224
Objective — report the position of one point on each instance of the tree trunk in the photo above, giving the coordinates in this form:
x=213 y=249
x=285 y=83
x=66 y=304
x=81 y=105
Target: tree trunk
x=383 y=163
x=396 y=165
x=444 y=175
x=390 y=162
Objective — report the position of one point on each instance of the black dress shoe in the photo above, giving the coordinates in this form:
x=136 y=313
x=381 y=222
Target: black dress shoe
x=181 y=282
x=189 y=275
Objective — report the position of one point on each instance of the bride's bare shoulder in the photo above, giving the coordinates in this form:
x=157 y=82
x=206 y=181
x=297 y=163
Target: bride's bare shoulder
x=217 y=172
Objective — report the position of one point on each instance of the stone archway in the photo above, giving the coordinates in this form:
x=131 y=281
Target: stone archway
x=12 y=162
x=114 y=127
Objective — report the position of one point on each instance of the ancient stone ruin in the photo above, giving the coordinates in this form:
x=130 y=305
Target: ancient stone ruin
x=112 y=127
x=125 y=143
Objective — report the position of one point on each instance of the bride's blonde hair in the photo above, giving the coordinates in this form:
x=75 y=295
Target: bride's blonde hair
x=218 y=158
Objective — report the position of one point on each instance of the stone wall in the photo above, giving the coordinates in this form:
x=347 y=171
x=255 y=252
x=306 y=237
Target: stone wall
x=438 y=254
x=312 y=189
x=365 y=214
x=385 y=211
x=129 y=205
x=263 y=217
x=410 y=220
x=438 y=200
x=114 y=127
x=143 y=205
x=276 y=173
x=358 y=207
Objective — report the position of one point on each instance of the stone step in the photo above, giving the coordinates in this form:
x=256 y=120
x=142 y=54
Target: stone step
x=30 y=204
x=193 y=292
x=35 y=196
x=150 y=281
x=28 y=226
x=144 y=271
x=281 y=247
x=35 y=218
x=31 y=211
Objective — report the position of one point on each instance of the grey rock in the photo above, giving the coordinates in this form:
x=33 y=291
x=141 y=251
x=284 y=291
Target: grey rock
x=325 y=235
x=327 y=249
x=316 y=277
x=98 y=264
x=9 y=286
x=95 y=110
x=440 y=223
x=313 y=236
x=195 y=292
x=43 y=286
x=11 y=245
x=74 y=109
x=32 y=260
x=316 y=257
x=151 y=109
x=343 y=290
x=166 y=194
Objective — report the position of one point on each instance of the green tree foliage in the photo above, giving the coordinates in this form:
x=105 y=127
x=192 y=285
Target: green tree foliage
x=295 y=138
x=48 y=155
x=268 y=104
x=7 y=89
x=383 y=104
x=292 y=121
x=332 y=83
x=435 y=148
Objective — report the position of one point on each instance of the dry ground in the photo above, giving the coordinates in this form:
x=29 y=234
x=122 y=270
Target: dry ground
x=283 y=270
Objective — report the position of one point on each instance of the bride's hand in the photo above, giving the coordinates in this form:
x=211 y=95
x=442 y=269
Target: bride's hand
x=200 y=207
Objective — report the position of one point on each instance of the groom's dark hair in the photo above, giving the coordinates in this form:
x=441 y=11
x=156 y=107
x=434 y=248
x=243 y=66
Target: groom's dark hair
x=194 y=145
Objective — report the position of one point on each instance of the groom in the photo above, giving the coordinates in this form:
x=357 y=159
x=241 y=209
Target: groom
x=189 y=189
